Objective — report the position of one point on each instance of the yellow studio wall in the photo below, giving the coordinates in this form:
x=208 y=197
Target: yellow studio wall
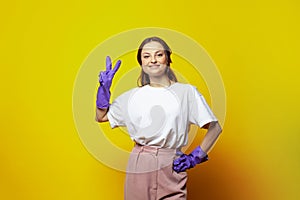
x=254 y=45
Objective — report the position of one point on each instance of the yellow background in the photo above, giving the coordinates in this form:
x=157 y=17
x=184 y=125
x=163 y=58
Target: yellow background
x=254 y=44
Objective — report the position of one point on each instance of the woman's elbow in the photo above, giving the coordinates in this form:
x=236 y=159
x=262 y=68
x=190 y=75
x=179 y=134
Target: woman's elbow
x=101 y=119
x=97 y=119
x=101 y=115
x=219 y=128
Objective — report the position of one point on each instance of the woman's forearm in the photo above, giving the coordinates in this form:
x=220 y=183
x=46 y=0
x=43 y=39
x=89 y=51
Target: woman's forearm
x=101 y=115
x=211 y=136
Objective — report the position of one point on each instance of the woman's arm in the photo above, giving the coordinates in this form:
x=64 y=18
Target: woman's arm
x=199 y=154
x=101 y=115
x=211 y=136
x=103 y=93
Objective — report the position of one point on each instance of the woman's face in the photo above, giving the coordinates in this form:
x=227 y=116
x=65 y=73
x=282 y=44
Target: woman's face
x=154 y=59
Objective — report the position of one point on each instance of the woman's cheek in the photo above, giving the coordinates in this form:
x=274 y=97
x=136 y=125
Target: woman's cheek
x=163 y=60
x=144 y=62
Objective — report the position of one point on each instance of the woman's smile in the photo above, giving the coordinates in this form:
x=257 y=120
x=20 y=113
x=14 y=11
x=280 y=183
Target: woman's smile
x=154 y=60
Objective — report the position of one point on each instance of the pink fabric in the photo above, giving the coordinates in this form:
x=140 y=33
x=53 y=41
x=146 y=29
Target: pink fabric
x=150 y=175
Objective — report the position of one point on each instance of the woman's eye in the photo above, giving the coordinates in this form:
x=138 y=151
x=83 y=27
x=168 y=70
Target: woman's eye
x=146 y=56
x=160 y=55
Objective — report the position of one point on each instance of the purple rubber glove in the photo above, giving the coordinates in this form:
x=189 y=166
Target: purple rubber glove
x=185 y=162
x=105 y=80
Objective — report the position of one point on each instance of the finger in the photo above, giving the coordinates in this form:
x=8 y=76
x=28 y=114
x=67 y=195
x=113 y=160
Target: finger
x=176 y=169
x=101 y=77
x=117 y=66
x=175 y=162
x=178 y=161
x=182 y=167
x=179 y=168
x=108 y=63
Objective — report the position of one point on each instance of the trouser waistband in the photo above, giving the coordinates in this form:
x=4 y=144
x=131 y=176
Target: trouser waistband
x=155 y=150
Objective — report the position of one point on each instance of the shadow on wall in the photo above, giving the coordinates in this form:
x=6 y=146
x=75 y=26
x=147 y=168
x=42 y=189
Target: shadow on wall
x=220 y=179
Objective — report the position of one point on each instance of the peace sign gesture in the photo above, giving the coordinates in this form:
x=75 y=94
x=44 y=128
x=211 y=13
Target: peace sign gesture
x=105 y=79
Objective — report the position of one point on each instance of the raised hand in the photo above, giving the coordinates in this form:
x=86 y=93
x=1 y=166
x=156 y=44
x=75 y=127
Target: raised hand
x=105 y=80
x=105 y=77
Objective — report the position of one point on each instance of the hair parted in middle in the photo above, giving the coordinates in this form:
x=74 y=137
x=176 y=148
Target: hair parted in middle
x=144 y=78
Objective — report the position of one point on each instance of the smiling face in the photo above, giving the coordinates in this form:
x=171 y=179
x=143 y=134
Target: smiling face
x=154 y=59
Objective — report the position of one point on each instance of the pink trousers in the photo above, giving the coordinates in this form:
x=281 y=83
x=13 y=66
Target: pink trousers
x=150 y=175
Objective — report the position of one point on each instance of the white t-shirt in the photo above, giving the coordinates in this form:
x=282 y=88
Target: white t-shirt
x=160 y=116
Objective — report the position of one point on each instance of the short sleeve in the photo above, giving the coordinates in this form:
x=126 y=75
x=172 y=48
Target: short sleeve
x=115 y=113
x=200 y=112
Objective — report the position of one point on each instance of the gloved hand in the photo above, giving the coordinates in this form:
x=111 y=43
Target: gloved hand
x=105 y=80
x=185 y=162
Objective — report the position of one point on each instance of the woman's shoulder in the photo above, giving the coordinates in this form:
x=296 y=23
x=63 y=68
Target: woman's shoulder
x=185 y=86
x=187 y=89
x=122 y=95
x=130 y=91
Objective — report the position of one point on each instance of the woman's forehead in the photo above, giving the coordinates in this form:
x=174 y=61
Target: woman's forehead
x=153 y=46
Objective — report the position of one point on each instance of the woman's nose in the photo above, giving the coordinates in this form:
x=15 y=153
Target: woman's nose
x=153 y=59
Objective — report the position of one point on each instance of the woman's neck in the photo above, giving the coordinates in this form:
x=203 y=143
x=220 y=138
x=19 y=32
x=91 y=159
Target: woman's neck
x=160 y=82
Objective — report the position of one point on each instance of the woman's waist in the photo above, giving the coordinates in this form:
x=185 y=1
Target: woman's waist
x=157 y=149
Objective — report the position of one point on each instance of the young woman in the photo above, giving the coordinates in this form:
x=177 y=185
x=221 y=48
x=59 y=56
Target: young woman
x=157 y=115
